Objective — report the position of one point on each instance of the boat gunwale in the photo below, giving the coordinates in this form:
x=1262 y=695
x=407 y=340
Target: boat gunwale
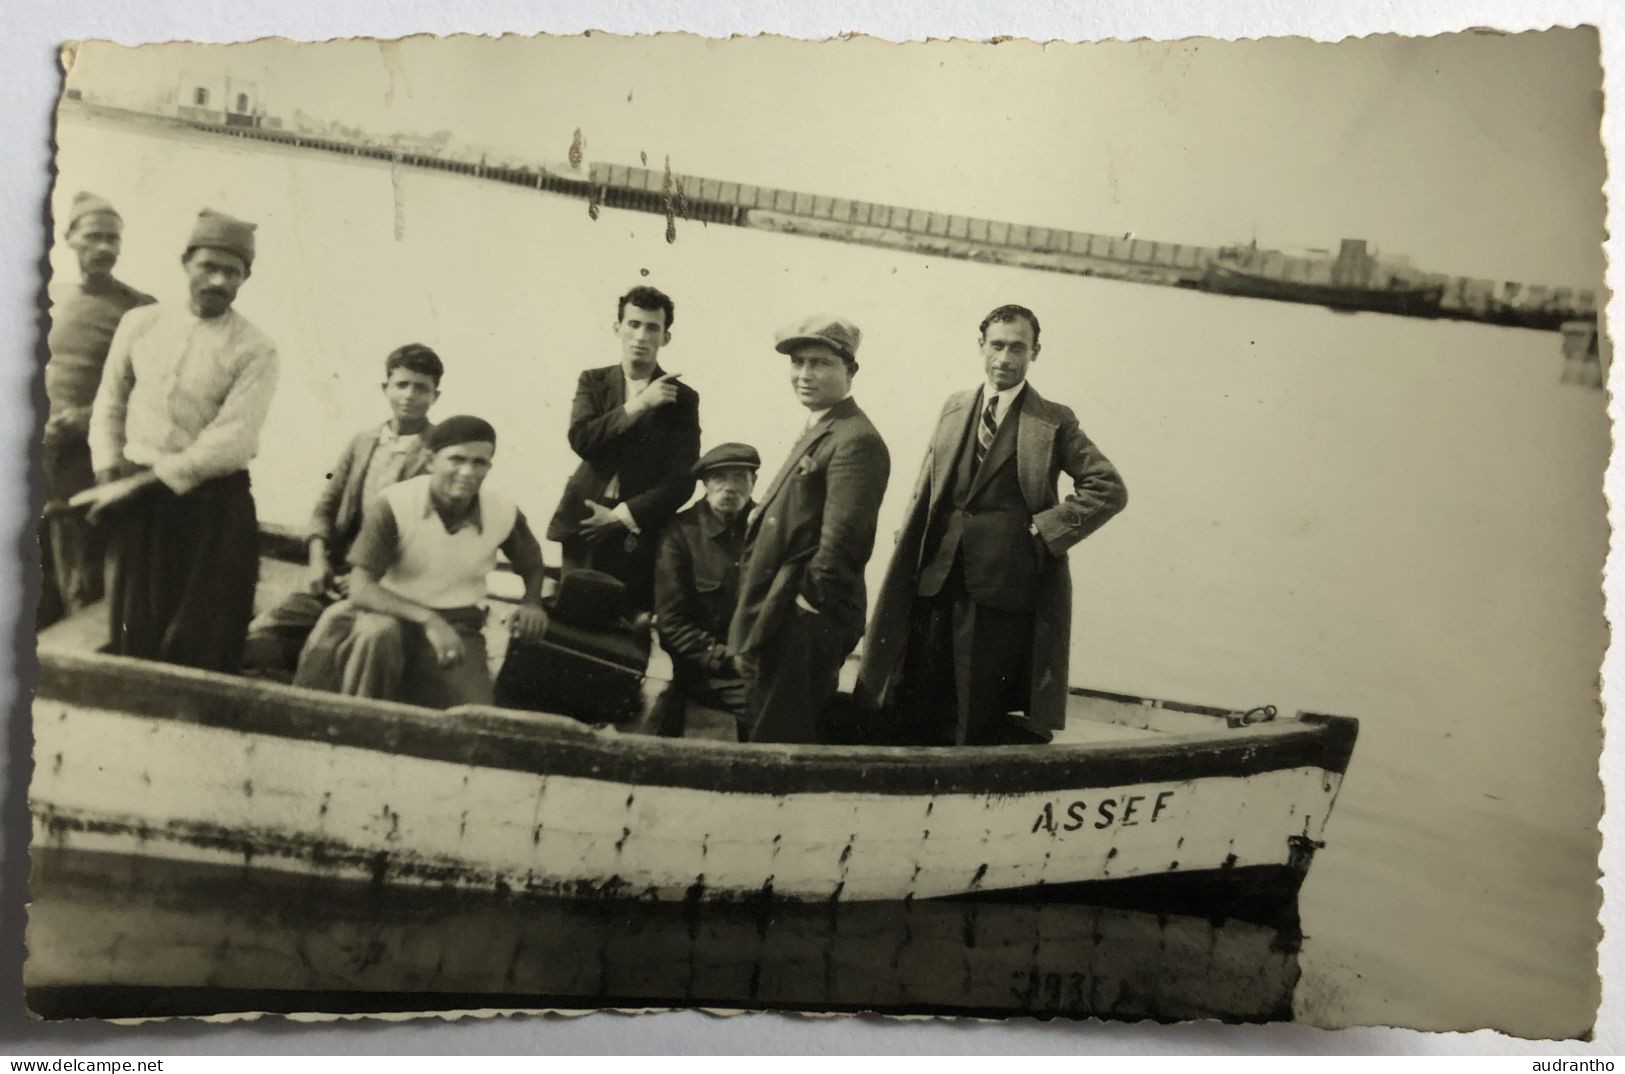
x=544 y=745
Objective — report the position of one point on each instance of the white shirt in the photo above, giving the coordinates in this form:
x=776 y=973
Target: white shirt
x=1006 y=398
x=183 y=394
x=816 y=416
x=612 y=491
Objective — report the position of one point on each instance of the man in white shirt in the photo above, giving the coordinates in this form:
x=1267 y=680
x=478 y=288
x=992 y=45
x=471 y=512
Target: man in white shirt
x=411 y=629
x=637 y=430
x=175 y=423
x=969 y=641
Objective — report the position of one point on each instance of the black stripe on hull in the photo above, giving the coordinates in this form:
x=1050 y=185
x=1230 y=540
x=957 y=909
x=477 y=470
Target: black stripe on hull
x=501 y=739
x=124 y=936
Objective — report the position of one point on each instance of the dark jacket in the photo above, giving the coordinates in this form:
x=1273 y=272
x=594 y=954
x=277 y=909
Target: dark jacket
x=337 y=517
x=813 y=532
x=1047 y=444
x=696 y=588
x=652 y=454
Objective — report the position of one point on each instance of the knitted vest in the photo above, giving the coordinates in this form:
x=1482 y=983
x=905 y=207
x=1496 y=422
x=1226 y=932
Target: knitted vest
x=438 y=569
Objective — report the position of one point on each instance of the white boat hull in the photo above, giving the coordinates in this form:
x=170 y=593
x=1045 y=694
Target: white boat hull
x=213 y=771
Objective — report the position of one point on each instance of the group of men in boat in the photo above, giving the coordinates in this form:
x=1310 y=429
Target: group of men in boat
x=759 y=600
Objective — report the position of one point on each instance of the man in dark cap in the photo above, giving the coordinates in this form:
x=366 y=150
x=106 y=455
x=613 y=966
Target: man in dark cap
x=84 y=314
x=176 y=421
x=697 y=586
x=411 y=629
x=802 y=600
x=637 y=430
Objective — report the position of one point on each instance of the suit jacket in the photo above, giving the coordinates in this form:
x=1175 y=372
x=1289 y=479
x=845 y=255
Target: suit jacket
x=337 y=517
x=653 y=454
x=983 y=522
x=814 y=530
x=1048 y=443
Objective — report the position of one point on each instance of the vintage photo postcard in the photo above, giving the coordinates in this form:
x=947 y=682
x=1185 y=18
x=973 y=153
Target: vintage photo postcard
x=961 y=528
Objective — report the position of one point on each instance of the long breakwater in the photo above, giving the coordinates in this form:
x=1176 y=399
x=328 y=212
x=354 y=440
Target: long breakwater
x=682 y=197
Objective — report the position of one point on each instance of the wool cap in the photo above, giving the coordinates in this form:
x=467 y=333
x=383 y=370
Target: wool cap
x=85 y=204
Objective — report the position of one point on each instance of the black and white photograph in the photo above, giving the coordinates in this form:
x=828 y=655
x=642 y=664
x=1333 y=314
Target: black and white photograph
x=955 y=528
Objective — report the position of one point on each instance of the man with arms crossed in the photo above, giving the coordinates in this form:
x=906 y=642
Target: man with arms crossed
x=974 y=617
x=802 y=599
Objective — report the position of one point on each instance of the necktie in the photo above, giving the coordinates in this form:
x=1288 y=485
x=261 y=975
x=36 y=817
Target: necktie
x=989 y=426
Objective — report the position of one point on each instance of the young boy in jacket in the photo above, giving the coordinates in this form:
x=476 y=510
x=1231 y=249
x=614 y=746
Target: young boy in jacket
x=375 y=458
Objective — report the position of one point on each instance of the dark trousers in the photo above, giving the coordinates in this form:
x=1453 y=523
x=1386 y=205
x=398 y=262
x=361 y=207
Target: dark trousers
x=966 y=667
x=691 y=685
x=795 y=676
x=184 y=571
x=72 y=551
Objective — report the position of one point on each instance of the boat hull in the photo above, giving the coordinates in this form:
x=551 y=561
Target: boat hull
x=143 y=760
x=116 y=936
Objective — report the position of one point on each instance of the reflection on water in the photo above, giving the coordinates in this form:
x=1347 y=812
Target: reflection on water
x=117 y=937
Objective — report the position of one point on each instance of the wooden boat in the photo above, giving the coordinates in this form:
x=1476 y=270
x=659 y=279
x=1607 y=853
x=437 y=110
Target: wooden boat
x=1143 y=805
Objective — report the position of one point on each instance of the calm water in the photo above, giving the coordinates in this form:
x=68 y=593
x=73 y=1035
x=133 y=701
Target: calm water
x=1393 y=519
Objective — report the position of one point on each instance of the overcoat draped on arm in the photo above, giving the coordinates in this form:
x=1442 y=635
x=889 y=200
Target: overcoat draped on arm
x=1049 y=443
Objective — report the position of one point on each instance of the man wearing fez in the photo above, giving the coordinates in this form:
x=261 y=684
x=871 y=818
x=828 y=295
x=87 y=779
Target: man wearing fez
x=175 y=423
x=802 y=600
x=697 y=586
x=974 y=617
x=411 y=628
x=84 y=314
x=637 y=430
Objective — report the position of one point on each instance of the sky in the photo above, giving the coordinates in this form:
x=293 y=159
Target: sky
x=1475 y=154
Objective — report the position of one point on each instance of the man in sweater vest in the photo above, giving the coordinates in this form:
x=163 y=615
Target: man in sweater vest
x=411 y=628
x=84 y=314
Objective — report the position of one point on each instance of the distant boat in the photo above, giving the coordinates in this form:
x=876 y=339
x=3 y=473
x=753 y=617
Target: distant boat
x=1352 y=282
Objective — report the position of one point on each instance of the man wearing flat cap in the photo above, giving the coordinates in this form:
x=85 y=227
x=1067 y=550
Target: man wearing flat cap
x=411 y=629
x=175 y=424
x=697 y=586
x=802 y=600
x=84 y=315
x=970 y=640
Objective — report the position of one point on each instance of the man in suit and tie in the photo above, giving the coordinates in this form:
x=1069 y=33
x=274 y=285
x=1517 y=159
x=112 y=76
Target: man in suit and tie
x=801 y=593
x=637 y=430
x=973 y=621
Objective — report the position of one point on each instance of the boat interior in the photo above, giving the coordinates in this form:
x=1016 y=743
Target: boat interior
x=1093 y=715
